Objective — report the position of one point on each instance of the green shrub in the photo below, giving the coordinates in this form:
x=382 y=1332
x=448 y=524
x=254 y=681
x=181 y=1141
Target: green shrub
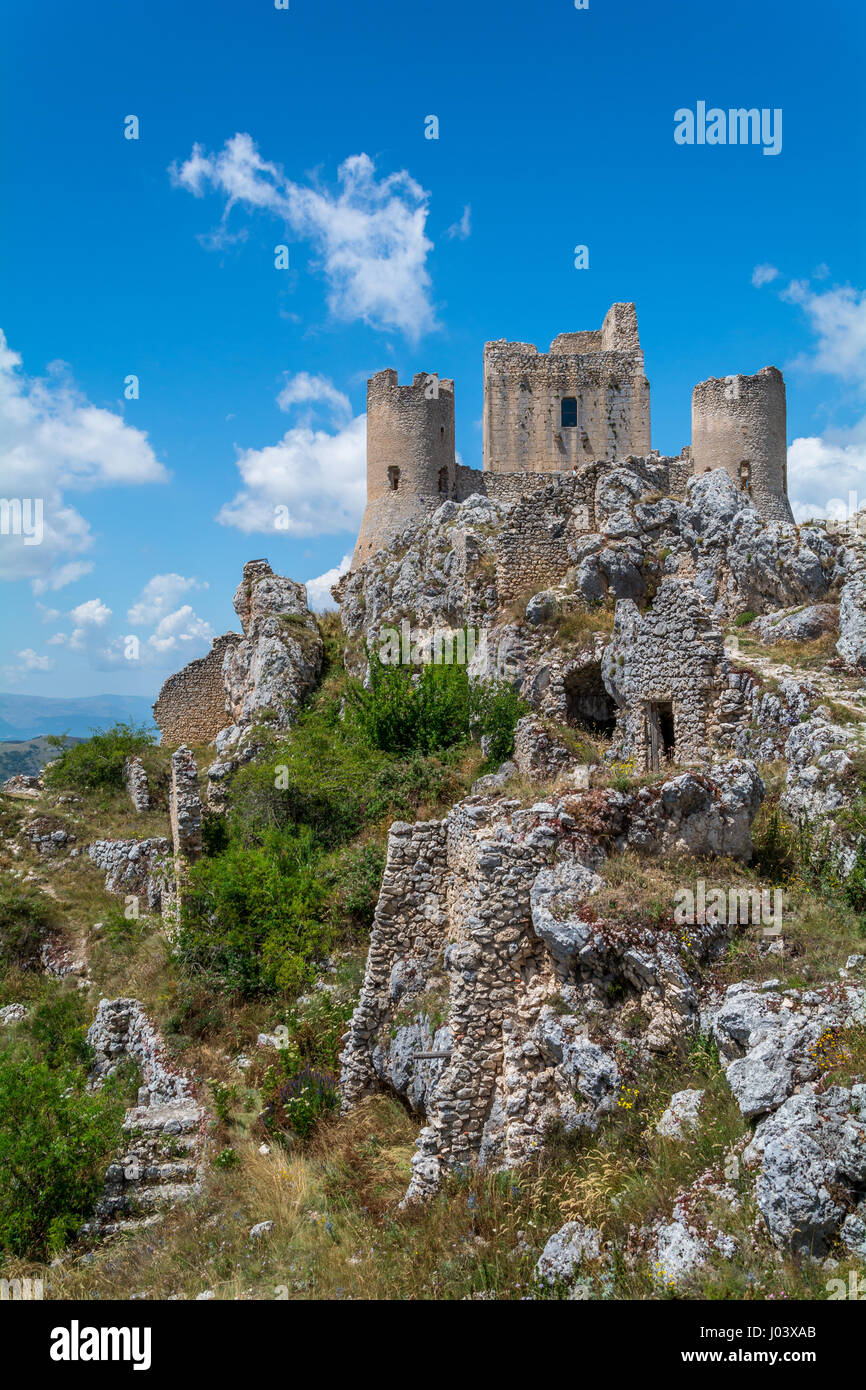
x=744 y=619
x=55 y=1141
x=98 y=761
x=407 y=710
x=253 y=917
x=495 y=708
x=26 y=916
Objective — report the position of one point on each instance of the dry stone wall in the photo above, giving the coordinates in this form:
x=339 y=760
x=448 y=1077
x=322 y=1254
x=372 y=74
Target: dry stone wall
x=486 y=948
x=191 y=707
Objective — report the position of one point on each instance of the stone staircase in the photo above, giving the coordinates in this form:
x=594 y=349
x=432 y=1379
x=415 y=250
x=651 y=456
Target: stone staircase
x=162 y=1160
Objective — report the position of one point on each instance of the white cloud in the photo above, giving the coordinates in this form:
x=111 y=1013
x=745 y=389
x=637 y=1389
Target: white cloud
x=763 y=274
x=183 y=628
x=304 y=389
x=368 y=235
x=52 y=440
x=92 y=612
x=158 y=597
x=312 y=482
x=28 y=661
x=461 y=230
x=319 y=590
x=838 y=318
x=822 y=474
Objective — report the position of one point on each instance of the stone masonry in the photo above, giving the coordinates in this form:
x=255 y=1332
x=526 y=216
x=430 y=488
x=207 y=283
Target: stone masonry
x=191 y=706
x=489 y=974
x=585 y=402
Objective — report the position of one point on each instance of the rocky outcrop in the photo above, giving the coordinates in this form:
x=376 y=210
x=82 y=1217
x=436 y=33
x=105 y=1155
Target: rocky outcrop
x=496 y=990
x=770 y=1041
x=812 y=1159
x=269 y=673
x=796 y=624
x=852 y=621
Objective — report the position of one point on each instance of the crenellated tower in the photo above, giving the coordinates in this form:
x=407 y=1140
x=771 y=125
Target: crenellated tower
x=410 y=455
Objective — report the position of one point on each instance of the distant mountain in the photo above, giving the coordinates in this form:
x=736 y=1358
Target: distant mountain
x=28 y=756
x=28 y=716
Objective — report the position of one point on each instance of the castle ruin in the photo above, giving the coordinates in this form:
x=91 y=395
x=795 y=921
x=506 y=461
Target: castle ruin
x=585 y=402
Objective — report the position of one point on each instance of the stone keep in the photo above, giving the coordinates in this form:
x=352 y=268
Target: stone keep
x=588 y=398
x=410 y=454
x=739 y=424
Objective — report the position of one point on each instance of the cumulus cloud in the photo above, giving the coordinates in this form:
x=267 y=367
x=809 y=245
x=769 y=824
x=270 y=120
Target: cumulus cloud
x=319 y=590
x=92 y=612
x=763 y=274
x=52 y=441
x=179 y=630
x=158 y=597
x=305 y=389
x=368 y=235
x=312 y=481
x=28 y=661
x=460 y=231
x=822 y=475
x=837 y=317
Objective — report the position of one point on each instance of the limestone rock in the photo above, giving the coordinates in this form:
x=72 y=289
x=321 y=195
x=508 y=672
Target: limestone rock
x=852 y=621
x=681 y=1115
x=566 y=1251
x=795 y=624
x=812 y=1157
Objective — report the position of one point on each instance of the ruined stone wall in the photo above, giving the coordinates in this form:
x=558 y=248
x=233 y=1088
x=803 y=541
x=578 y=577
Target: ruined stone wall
x=519 y=973
x=191 y=707
x=185 y=806
x=532 y=548
x=524 y=390
x=410 y=454
x=675 y=654
x=406 y=942
x=739 y=424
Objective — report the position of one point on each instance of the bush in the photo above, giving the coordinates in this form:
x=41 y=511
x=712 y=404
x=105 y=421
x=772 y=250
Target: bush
x=407 y=710
x=55 y=1141
x=98 y=761
x=26 y=915
x=495 y=708
x=744 y=619
x=299 y=1102
x=253 y=916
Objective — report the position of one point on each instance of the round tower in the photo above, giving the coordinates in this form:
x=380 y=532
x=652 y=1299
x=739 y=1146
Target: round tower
x=410 y=455
x=739 y=424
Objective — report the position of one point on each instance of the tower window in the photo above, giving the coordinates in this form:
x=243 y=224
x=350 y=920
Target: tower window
x=393 y=479
x=746 y=475
x=568 y=416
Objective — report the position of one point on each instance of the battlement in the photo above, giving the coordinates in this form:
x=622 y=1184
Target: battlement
x=585 y=402
x=739 y=423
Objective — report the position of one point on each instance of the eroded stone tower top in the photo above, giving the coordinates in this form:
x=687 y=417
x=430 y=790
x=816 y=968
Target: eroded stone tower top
x=586 y=399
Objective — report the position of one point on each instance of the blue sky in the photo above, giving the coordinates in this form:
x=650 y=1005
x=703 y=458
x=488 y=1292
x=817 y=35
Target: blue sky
x=261 y=127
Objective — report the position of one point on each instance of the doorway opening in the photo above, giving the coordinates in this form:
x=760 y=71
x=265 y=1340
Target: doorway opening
x=661 y=734
x=587 y=704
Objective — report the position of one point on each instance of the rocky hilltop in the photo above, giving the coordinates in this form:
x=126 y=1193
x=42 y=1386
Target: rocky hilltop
x=559 y=937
